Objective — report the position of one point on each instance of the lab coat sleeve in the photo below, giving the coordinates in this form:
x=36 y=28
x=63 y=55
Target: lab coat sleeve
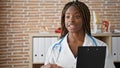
x=51 y=55
x=48 y=58
x=109 y=59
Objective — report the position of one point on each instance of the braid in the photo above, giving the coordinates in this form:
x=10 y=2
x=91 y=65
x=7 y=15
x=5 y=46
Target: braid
x=84 y=10
x=76 y=0
x=64 y=30
x=86 y=17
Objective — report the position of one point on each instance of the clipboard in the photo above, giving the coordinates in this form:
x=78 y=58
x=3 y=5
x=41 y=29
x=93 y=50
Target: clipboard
x=91 y=57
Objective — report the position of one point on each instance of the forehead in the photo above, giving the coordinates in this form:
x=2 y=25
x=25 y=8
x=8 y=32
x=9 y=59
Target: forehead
x=72 y=9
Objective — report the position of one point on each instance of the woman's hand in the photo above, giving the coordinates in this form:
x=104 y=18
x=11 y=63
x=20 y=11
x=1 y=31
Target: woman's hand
x=51 y=66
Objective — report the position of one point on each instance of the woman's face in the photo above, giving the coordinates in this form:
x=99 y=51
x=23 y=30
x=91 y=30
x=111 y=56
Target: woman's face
x=73 y=20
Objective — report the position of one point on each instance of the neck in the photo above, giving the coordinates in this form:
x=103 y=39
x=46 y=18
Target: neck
x=75 y=40
x=76 y=36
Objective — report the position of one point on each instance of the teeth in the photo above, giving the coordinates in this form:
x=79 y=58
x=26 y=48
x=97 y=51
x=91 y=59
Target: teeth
x=71 y=26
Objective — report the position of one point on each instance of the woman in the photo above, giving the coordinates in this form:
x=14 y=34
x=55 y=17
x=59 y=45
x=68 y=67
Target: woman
x=75 y=23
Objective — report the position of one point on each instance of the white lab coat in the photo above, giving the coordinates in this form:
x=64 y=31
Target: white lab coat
x=65 y=57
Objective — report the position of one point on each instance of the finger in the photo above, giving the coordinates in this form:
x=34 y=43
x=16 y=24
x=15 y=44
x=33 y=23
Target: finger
x=46 y=66
x=60 y=67
x=55 y=66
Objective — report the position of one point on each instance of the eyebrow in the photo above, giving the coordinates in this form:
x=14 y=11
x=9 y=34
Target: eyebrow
x=75 y=13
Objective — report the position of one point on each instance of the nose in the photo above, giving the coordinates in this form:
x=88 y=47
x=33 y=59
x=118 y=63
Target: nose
x=71 y=19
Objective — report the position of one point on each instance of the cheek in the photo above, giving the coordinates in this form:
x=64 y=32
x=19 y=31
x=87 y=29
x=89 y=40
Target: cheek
x=79 y=26
x=79 y=23
x=66 y=23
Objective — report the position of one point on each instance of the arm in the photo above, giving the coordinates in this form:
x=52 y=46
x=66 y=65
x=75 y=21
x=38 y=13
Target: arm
x=50 y=61
x=51 y=66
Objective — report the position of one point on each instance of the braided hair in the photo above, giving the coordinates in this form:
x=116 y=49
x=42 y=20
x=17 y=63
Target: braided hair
x=83 y=9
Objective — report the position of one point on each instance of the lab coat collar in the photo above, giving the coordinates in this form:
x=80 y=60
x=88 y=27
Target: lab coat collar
x=87 y=42
x=67 y=51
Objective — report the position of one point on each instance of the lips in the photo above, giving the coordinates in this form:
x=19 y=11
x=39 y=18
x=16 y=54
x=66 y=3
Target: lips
x=71 y=26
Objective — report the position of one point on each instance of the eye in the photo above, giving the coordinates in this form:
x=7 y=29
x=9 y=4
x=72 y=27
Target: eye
x=77 y=16
x=67 y=16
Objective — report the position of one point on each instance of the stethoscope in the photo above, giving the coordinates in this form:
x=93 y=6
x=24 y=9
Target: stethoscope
x=60 y=46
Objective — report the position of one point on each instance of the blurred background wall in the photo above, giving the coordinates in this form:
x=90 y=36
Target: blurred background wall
x=21 y=18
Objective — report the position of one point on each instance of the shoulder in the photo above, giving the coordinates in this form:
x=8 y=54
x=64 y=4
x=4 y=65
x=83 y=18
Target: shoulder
x=56 y=44
x=100 y=42
x=53 y=46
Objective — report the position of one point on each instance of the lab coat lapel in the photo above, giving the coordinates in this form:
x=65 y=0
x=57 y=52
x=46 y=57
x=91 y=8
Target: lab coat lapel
x=68 y=50
x=66 y=53
x=87 y=41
